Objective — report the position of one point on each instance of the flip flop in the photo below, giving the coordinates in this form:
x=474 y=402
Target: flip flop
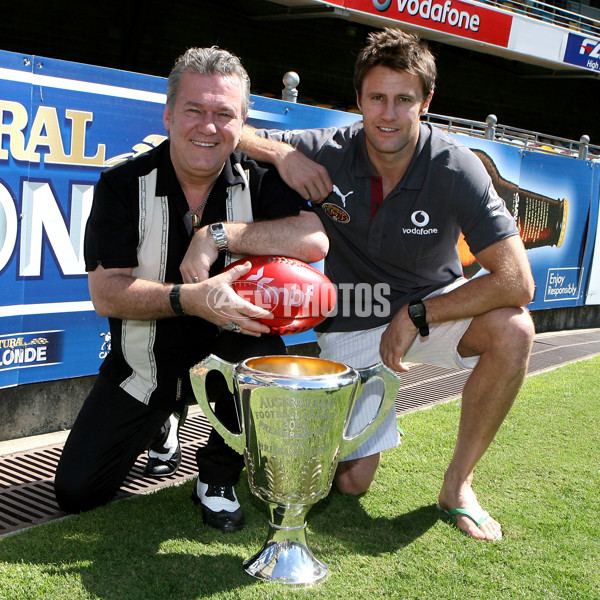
x=478 y=518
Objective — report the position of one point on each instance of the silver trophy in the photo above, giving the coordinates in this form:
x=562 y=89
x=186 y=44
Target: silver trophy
x=294 y=413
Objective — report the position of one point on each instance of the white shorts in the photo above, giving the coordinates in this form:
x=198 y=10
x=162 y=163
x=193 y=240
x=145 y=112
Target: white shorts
x=359 y=349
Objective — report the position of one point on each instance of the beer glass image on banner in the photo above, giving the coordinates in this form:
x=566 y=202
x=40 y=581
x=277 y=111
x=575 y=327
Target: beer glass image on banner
x=542 y=221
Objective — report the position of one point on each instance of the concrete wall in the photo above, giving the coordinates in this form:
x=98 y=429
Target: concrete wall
x=559 y=319
x=39 y=408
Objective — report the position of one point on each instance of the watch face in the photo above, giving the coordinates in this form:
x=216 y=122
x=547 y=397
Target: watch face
x=416 y=311
x=219 y=236
x=417 y=314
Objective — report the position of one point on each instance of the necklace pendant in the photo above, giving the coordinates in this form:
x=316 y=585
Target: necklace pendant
x=195 y=221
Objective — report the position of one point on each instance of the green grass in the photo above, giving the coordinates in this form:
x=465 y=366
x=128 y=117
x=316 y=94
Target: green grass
x=540 y=478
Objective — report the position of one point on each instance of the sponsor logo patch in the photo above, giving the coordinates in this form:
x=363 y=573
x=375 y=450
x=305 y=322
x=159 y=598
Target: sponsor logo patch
x=335 y=212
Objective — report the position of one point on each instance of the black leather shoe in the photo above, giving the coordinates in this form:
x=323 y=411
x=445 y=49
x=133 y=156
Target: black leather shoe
x=156 y=467
x=160 y=466
x=220 y=506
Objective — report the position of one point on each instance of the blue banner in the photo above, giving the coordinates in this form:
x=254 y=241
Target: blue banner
x=583 y=51
x=61 y=123
x=550 y=196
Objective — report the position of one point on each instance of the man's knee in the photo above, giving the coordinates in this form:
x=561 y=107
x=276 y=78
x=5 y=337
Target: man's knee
x=516 y=334
x=75 y=493
x=70 y=498
x=355 y=477
x=347 y=485
x=505 y=333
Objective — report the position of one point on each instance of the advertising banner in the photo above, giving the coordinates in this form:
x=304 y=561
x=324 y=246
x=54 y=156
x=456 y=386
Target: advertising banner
x=593 y=243
x=583 y=51
x=62 y=123
x=458 y=18
x=550 y=197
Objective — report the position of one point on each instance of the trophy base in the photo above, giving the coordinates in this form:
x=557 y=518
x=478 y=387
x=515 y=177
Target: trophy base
x=285 y=556
x=288 y=562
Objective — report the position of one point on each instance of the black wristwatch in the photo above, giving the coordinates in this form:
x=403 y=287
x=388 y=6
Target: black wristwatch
x=175 y=302
x=418 y=315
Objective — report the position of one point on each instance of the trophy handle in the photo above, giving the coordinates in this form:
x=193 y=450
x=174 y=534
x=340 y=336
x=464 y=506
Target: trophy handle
x=391 y=383
x=198 y=377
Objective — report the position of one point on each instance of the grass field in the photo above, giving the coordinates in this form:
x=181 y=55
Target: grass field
x=540 y=478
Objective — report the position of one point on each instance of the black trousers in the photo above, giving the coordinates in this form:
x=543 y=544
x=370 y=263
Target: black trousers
x=219 y=464
x=112 y=429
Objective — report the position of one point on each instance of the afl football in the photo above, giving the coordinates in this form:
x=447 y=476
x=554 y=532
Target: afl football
x=297 y=294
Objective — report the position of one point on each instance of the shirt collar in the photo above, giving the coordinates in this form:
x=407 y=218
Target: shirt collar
x=167 y=183
x=417 y=169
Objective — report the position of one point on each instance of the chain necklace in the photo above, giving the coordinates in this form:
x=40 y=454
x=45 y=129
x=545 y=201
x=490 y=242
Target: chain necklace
x=195 y=217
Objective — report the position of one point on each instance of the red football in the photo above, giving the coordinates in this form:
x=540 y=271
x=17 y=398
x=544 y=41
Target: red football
x=298 y=295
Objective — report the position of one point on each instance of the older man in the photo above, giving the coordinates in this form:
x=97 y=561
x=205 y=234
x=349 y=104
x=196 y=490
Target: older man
x=160 y=229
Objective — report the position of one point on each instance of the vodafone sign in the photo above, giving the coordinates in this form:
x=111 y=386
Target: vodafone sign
x=450 y=16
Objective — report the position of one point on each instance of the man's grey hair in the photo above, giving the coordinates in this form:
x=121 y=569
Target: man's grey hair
x=209 y=61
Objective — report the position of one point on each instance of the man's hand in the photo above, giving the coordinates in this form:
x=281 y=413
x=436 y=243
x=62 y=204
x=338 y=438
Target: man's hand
x=199 y=257
x=396 y=340
x=302 y=174
x=215 y=300
x=118 y=293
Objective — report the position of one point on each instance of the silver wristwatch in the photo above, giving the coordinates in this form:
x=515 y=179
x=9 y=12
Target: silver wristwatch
x=220 y=236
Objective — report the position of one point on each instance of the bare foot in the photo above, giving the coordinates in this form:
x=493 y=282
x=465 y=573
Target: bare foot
x=468 y=515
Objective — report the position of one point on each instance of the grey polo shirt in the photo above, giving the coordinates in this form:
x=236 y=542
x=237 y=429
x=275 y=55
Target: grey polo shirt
x=385 y=252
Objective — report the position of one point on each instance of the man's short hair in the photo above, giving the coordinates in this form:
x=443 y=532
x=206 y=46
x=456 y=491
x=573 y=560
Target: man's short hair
x=397 y=50
x=209 y=61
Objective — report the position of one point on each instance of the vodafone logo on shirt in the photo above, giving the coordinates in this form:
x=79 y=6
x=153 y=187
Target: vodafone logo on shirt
x=421 y=219
x=450 y=16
